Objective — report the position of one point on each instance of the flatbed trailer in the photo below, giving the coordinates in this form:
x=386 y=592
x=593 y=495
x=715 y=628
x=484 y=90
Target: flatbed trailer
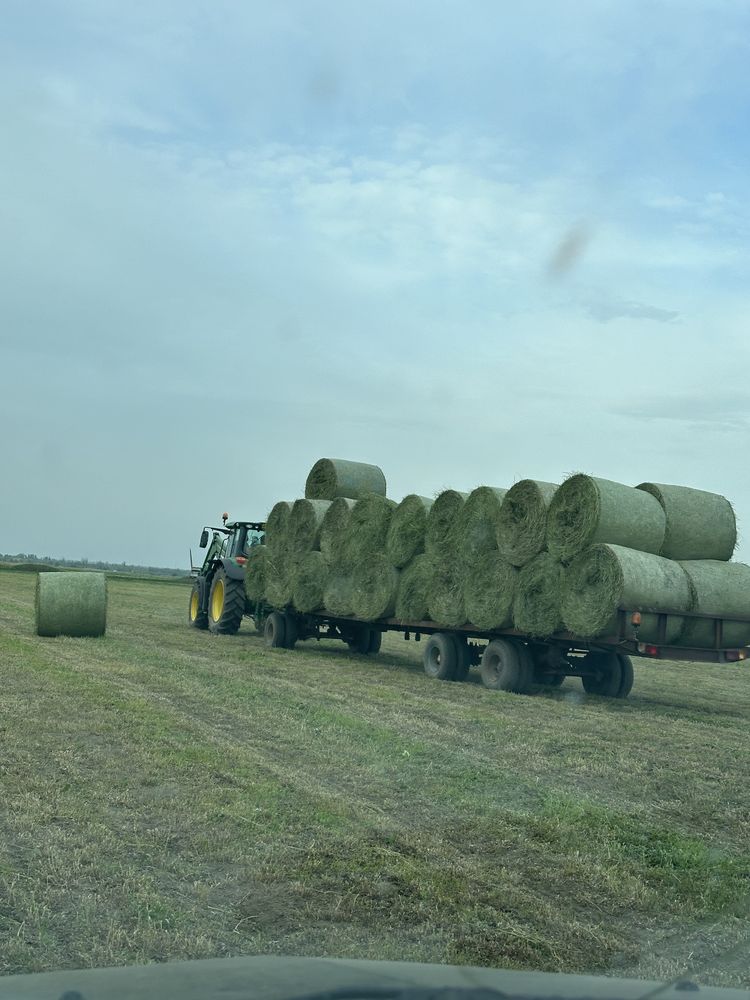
x=510 y=660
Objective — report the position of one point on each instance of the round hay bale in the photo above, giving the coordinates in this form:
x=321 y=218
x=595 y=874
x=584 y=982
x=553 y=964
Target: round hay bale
x=477 y=523
x=489 y=589
x=304 y=525
x=309 y=580
x=586 y=510
x=367 y=530
x=406 y=532
x=699 y=525
x=335 y=477
x=443 y=532
x=411 y=598
x=538 y=598
x=374 y=586
x=255 y=573
x=338 y=593
x=522 y=522
x=277 y=526
x=279 y=588
x=72 y=604
x=333 y=529
x=445 y=593
x=608 y=577
x=720 y=588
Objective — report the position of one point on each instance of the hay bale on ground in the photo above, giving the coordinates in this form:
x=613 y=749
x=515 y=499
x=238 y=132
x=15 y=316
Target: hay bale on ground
x=445 y=593
x=406 y=532
x=333 y=529
x=374 y=587
x=699 y=525
x=522 y=521
x=608 y=577
x=255 y=573
x=586 y=510
x=720 y=588
x=335 y=477
x=538 y=598
x=72 y=604
x=309 y=579
x=443 y=531
x=367 y=529
x=477 y=523
x=489 y=589
x=411 y=598
x=338 y=593
x=304 y=525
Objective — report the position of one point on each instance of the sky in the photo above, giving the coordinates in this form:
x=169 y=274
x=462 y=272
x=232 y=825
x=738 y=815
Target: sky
x=471 y=242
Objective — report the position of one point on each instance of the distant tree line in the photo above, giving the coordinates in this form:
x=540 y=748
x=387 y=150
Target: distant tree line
x=123 y=567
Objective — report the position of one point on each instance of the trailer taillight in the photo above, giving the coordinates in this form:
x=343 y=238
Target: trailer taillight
x=735 y=654
x=635 y=618
x=648 y=649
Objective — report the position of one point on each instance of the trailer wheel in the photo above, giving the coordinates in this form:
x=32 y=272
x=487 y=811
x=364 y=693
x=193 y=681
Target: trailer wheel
x=626 y=685
x=545 y=658
x=606 y=678
x=463 y=658
x=505 y=667
x=274 y=631
x=440 y=657
x=376 y=639
x=365 y=641
x=291 y=633
x=197 y=614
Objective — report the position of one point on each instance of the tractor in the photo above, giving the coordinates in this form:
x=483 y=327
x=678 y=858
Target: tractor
x=217 y=600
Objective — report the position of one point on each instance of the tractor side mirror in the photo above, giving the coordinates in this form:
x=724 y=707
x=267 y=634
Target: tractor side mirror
x=204 y=538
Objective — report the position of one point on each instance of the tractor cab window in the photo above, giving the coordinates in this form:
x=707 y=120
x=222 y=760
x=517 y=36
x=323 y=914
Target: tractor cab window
x=253 y=538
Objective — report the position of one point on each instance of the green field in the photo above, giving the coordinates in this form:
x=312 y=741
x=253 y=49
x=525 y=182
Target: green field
x=170 y=794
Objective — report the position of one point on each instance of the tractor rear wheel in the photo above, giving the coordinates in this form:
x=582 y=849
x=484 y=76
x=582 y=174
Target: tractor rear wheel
x=226 y=604
x=197 y=615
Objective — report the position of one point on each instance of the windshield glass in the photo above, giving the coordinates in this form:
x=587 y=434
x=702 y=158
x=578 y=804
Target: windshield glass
x=480 y=697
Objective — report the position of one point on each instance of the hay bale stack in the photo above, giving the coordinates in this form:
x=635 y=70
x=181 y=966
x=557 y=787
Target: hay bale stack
x=445 y=592
x=374 y=588
x=255 y=573
x=335 y=477
x=586 y=510
x=699 y=525
x=333 y=530
x=411 y=598
x=367 y=530
x=72 y=604
x=720 y=588
x=522 y=521
x=477 y=523
x=304 y=525
x=443 y=531
x=309 y=579
x=338 y=593
x=607 y=577
x=406 y=532
x=537 y=606
x=278 y=567
x=277 y=526
x=489 y=589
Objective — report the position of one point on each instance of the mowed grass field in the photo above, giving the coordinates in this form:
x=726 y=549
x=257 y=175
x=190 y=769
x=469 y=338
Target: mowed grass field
x=168 y=794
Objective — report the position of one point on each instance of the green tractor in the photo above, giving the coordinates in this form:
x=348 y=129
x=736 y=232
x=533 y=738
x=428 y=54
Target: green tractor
x=217 y=600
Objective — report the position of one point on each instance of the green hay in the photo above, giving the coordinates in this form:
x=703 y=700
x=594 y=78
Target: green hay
x=333 y=529
x=277 y=526
x=304 y=525
x=406 y=532
x=335 y=477
x=309 y=579
x=586 y=510
x=338 y=593
x=522 y=522
x=489 y=588
x=443 y=535
x=477 y=523
x=720 y=588
x=367 y=530
x=699 y=525
x=411 y=599
x=445 y=595
x=608 y=577
x=538 y=598
x=255 y=574
x=72 y=604
x=374 y=587
x=279 y=588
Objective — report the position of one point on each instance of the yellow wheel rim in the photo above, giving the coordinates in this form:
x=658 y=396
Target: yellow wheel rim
x=194 y=606
x=217 y=600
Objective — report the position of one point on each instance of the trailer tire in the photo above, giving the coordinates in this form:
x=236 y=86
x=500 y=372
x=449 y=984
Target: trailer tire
x=609 y=674
x=274 y=631
x=463 y=658
x=440 y=656
x=544 y=657
x=291 y=632
x=197 y=614
x=226 y=603
x=506 y=667
x=626 y=685
x=376 y=639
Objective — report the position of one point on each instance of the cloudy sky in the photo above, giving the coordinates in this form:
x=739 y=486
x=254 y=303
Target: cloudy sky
x=469 y=241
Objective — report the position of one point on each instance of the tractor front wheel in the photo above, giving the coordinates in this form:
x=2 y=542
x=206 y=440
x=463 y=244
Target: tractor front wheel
x=226 y=604
x=197 y=614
